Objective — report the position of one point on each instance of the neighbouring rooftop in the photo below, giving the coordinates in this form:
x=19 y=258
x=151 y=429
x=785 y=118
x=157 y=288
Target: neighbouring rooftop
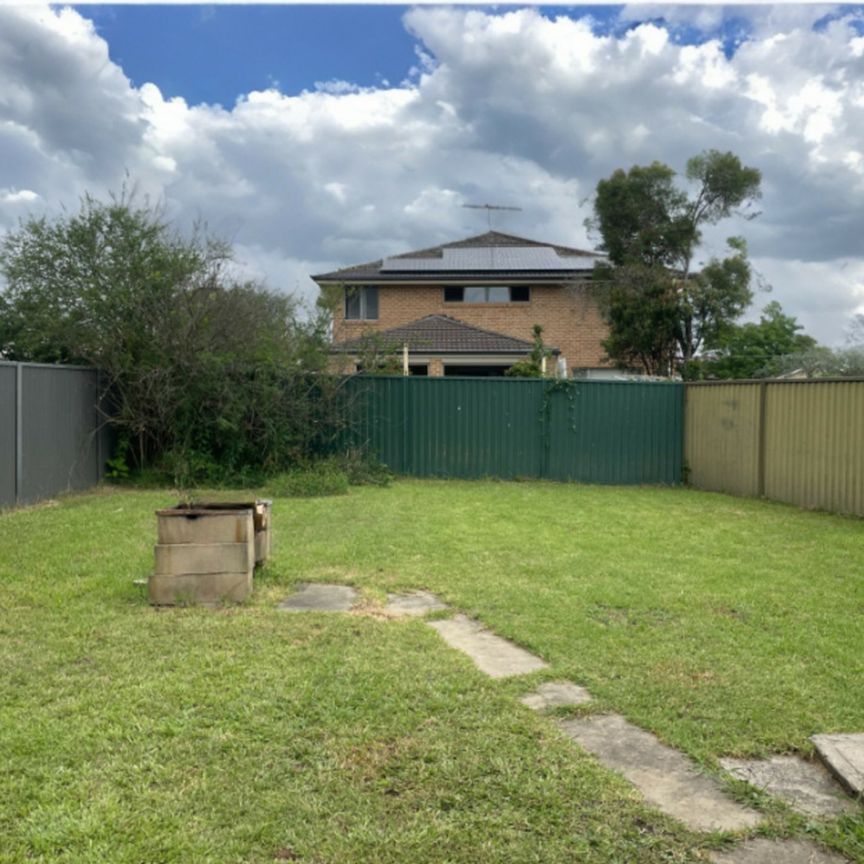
x=490 y=255
x=441 y=334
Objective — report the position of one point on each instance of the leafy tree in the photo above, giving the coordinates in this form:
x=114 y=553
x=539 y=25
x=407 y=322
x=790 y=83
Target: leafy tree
x=641 y=304
x=532 y=365
x=822 y=362
x=651 y=231
x=377 y=355
x=855 y=330
x=753 y=350
x=207 y=374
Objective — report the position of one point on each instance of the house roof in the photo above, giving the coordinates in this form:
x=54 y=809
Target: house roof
x=494 y=254
x=441 y=334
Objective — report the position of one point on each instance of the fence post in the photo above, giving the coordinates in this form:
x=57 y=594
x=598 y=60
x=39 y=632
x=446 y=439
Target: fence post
x=405 y=387
x=98 y=428
x=19 y=431
x=760 y=456
x=545 y=428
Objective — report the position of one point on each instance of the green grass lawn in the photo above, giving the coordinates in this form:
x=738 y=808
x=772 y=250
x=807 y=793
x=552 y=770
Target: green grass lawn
x=129 y=734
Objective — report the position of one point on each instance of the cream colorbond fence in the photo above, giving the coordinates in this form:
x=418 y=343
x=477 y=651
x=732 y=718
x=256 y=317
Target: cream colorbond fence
x=796 y=441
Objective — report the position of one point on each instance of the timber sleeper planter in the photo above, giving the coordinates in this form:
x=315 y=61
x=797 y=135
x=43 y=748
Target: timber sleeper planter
x=206 y=553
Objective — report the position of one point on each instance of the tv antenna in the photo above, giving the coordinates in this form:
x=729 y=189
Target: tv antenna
x=489 y=208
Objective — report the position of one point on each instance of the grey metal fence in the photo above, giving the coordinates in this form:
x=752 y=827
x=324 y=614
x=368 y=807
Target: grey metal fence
x=52 y=436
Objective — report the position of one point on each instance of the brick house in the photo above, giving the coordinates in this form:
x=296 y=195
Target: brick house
x=469 y=307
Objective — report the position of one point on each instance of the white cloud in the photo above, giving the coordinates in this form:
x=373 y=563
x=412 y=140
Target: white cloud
x=822 y=295
x=511 y=108
x=18 y=196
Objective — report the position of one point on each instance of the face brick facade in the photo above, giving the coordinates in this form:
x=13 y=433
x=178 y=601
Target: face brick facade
x=571 y=321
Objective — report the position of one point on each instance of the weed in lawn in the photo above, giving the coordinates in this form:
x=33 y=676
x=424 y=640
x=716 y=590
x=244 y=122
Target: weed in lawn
x=312 y=482
x=616 y=616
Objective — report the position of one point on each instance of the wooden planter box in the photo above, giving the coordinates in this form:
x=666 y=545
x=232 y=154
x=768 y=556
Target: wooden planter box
x=206 y=553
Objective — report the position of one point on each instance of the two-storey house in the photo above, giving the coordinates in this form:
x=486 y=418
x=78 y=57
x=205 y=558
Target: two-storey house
x=469 y=307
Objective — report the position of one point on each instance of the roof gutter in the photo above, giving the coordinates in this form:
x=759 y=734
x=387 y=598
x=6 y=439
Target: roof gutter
x=413 y=281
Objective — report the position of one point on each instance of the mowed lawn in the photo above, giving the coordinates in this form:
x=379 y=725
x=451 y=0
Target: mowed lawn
x=130 y=734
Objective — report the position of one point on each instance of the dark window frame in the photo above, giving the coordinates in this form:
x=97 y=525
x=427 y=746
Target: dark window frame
x=456 y=294
x=361 y=296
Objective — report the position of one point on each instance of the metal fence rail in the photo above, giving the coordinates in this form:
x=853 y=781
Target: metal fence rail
x=588 y=431
x=796 y=441
x=52 y=438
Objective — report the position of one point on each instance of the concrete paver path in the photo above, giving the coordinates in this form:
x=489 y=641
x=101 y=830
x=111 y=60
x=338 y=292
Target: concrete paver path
x=843 y=756
x=666 y=778
x=415 y=604
x=493 y=655
x=317 y=597
x=805 y=786
x=556 y=694
x=776 y=852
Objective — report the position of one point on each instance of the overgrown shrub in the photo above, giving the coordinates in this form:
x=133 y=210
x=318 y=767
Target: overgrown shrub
x=330 y=476
x=209 y=377
x=365 y=470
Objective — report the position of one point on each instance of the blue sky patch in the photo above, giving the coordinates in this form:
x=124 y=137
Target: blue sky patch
x=214 y=54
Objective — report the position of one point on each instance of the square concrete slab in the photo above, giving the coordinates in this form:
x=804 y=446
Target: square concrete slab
x=556 y=694
x=776 y=852
x=667 y=778
x=493 y=655
x=317 y=597
x=415 y=604
x=843 y=755
x=804 y=786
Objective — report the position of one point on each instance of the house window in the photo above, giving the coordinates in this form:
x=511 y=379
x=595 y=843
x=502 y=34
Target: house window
x=475 y=371
x=487 y=294
x=361 y=304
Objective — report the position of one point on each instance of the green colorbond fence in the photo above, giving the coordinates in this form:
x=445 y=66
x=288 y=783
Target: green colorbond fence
x=586 y=431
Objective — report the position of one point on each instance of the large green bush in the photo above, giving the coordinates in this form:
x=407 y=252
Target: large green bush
x=208 y=376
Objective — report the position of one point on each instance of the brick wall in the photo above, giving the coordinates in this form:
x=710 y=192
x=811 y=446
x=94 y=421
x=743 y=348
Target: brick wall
x=570 y=318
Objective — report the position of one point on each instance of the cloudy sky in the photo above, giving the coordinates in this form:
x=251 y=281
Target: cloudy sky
x=315 y=137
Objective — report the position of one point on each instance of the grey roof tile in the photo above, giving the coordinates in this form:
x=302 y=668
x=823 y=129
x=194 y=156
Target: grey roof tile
x=441 y=334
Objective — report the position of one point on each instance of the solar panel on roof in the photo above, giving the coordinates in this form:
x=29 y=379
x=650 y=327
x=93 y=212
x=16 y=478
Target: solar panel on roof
x=505 y=258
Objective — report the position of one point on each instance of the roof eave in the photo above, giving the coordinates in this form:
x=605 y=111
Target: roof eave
x=443 y=352
x=438 y=279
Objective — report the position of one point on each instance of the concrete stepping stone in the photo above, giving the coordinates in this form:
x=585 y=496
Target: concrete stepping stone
x=493 y=655
x=843 y=756
x=764 y=851
x=556 y=694
x=415 y=604
x=666 y=778
x=318 y=597
x=804 y=786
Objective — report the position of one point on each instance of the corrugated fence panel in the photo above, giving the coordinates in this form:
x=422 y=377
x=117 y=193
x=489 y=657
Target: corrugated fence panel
x=60 y=449
x=593 y=432
x=462 y=427
x=721 y=429
x=7 y=435
x=377 y=410
x=814 y=444
x=615 y=432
